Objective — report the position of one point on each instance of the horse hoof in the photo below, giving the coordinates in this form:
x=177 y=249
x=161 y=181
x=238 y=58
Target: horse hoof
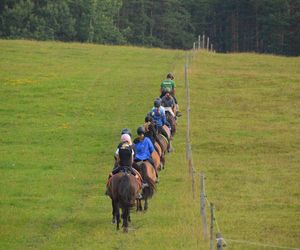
x=125 y=229
x=113 y=221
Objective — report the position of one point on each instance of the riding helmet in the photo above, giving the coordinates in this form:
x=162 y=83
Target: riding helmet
x=148 y=118
x=170 y=76
x=140 y=130
x=126 y=138
x=167 y=90
x=157 y=103
x=126 y=131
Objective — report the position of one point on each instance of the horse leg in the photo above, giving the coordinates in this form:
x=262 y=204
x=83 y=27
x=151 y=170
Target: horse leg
x=113 y=221
x=129 y=219
x=125 y=214
x=139 y=205
x=117 y=214
x=146 y=204
x=162 y=161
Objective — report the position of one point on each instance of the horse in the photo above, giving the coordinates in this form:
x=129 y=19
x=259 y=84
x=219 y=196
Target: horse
x=151 y=133
x=156 y=159
x=163 y=143
x=168 y=131
x=123 y=188
x=147 y=172
x=171 y=119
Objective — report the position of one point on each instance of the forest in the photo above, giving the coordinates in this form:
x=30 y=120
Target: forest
x=262 y=26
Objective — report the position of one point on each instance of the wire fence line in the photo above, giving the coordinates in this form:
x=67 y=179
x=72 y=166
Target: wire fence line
x=220 y=241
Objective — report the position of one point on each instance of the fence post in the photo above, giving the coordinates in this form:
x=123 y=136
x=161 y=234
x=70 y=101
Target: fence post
x=199 y=42
x=219 y=239
x=193 y=177
x=194 y=46
x=202 y=205
x=203 y=41
x=211 y=225
x=187 y=110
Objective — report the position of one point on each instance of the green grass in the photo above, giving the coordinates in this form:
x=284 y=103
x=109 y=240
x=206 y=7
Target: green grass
x=245 y=123
x=62 y=108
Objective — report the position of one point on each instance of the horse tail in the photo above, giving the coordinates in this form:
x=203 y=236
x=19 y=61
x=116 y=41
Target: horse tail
x=124 y=192
x=148 y=191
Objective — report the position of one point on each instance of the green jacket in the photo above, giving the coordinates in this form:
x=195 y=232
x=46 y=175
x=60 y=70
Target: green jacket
x=168 y=83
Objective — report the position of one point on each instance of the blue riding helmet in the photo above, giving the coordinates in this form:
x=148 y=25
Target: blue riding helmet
x=157 y=103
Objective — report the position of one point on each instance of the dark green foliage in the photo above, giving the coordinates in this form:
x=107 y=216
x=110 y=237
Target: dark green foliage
x=264 y=26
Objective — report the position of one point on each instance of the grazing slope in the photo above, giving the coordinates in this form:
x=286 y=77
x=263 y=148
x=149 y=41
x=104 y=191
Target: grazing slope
x=62 y=107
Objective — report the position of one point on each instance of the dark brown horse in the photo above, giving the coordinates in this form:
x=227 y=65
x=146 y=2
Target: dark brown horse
x=149 y=177
x=123 y=188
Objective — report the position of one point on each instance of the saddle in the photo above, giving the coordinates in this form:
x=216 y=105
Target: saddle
x=125 y=169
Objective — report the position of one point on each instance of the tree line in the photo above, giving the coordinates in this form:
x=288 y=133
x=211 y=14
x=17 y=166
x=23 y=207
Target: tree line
x=264 y=26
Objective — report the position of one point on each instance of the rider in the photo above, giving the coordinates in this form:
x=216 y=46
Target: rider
x=159 y=118
x=168 y=101
x=144 y=148
x=169 y=83
x=128 y=132
x=151 y=133
x=124 y=155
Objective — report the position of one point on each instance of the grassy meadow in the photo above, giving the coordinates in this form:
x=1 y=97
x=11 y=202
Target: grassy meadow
x=245 y=133
x=63 y=105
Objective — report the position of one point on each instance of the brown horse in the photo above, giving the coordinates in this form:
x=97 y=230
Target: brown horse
x=168 y=131
x=148 y=174
x=123 y=188
x=150 y=132
x=163 y=142
x=156 y=159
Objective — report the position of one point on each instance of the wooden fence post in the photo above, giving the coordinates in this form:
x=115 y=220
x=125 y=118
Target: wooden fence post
x=202 y=205
x=193 y=177
x=211 y=225
x=203 y=41
x=199 y=42
x=187 y=110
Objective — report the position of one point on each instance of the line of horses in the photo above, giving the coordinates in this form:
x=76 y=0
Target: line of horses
x=127 y=191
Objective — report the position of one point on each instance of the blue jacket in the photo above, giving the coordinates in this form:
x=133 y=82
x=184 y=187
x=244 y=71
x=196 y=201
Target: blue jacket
x=143 y=149
x=159 y=117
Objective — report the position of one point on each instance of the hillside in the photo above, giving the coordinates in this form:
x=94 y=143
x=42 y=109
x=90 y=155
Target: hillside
x=63 y=106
